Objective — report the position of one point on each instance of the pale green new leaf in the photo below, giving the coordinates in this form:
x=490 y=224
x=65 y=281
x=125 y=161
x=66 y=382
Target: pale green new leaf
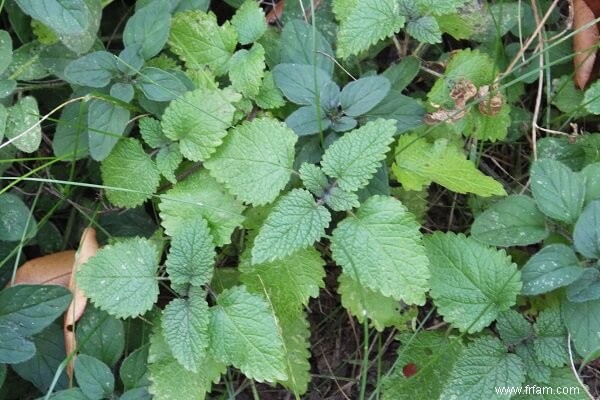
x=289 y=283
x=313 y=178
x=249 y=22
x=199 y=195
x=354 y=158
x=471 y=283
x=340 y=200
x=192 y=254
x=185 y=329
x=295 y=331
x=367 y=23
x=418 y=163
x=381 y=248
x=198 y=40
x=295 y=223
x=121 y=278
x=22 y=125
x=247 y=70
x=482 y=367
x=199 y=120
x=168 y=160
x=550 y=341
x=255 y=160
x=244 y=333
x=152 y=133
x=425 y=29
x=269 y=96
x=122 y=170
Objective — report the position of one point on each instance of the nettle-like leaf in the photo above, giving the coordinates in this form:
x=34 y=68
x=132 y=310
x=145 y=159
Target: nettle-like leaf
x=513 y=327
x=558 y=191
x=550 y=341
x=295 y=331
x=123 y=168
x=148 y=29
x=168 y=160
x=244 y=333
x=586 y=235
x=249 y=22
x=200 y=195
x=23 y=125
x=269 y=96
x=185 y=329
x=289 y=283
x=313 y=178
x=425 y=29
x=471 y=283
x=255 y=160
x=247 y=70
x=482 y=367
x=354 y=158
x=199 y=120
x=513 y=221
x=552 y=267
x=192 y=254
x=536 y=370
x=418 y=163
x=198 y=40
x=121 y=278
x=368 y=22
x=340 y=200
x=381 y=248
x=295 y=223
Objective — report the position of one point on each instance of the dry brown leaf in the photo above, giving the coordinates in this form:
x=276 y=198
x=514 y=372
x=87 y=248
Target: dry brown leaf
x=53 y=269
x=88 y=247
x=585 y=42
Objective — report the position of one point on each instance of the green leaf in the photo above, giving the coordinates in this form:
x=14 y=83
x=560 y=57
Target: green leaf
x=295 y=331
x=136 y=394
x=305 y=121
x=152 y=133
x=269 y=96
x=583 y=322
x=255 y=160
x=313 y=178
x=106 y=123
x=23 y=125
x=198 y=40
x=513 y=221
x=122 y=91
x=249 y=22
x=93 y=376
x=513 y=327
x=31 y=308
x=295 y=223
x=418 y=163
x=406 y=111
x=296 y=45
x=247 y=70
x=121 y=278
x=95 y=70
x=552 y=267
x=558 y=191
x=381 y=248
x=301 y=84
x=355 y=157
x=425 y=29
x=134 y=369
x=550 y=342
x=471 y=283
x=340 y=200
x=200 y=195
x=361 y=302
x=367 y=23
x=591 y=175
x=185 y=328
x=586 y=235
x=159 y=85
x=590 y=98
x=123 y=168
x=288 y=283
x=6 y=48
x=192 y=254
x=168 y=160
x=488 y=127
x=360 y=96
x=100 y=335
x=199 y=120
x=243 y=332
x=536 y=370
x=130 y=61
x=586 y=288
x=15 y=220
x=14 y=348
x=434 y=356
x=148 y=29
x=482 y=367
x=560 y=377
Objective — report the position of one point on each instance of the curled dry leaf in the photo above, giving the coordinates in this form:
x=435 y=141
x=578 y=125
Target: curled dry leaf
x=53 y=269
x=586 y=41
x=88 y=246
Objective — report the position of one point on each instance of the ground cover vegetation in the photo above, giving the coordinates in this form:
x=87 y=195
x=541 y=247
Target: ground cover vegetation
x=345 y=199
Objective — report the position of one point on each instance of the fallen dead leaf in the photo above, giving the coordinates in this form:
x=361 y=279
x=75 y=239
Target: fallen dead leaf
x=585 y=42
x=53 y=269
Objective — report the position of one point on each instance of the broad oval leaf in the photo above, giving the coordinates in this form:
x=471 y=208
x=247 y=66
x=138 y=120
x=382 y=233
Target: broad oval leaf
x=583 y=324
x=14 y=347
x=296 y=46
x=295 y=223
x=552 y=267
x=6 y=49
x=255 y=160
x=106 y=123
x=513 y=221
x=586 y=235
x=558 y=191
x=301 y=84
x=94 y=377
x=244 y=333
x=159 y=85
x=15 y=220
x=586 y=288
x=305 y=121
x=101 y=336
x=23 y=125
x=121 y=278
x=360 y=96
x=381 y=248
x=94 y=70
x=148 y=29
x=471 y=283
